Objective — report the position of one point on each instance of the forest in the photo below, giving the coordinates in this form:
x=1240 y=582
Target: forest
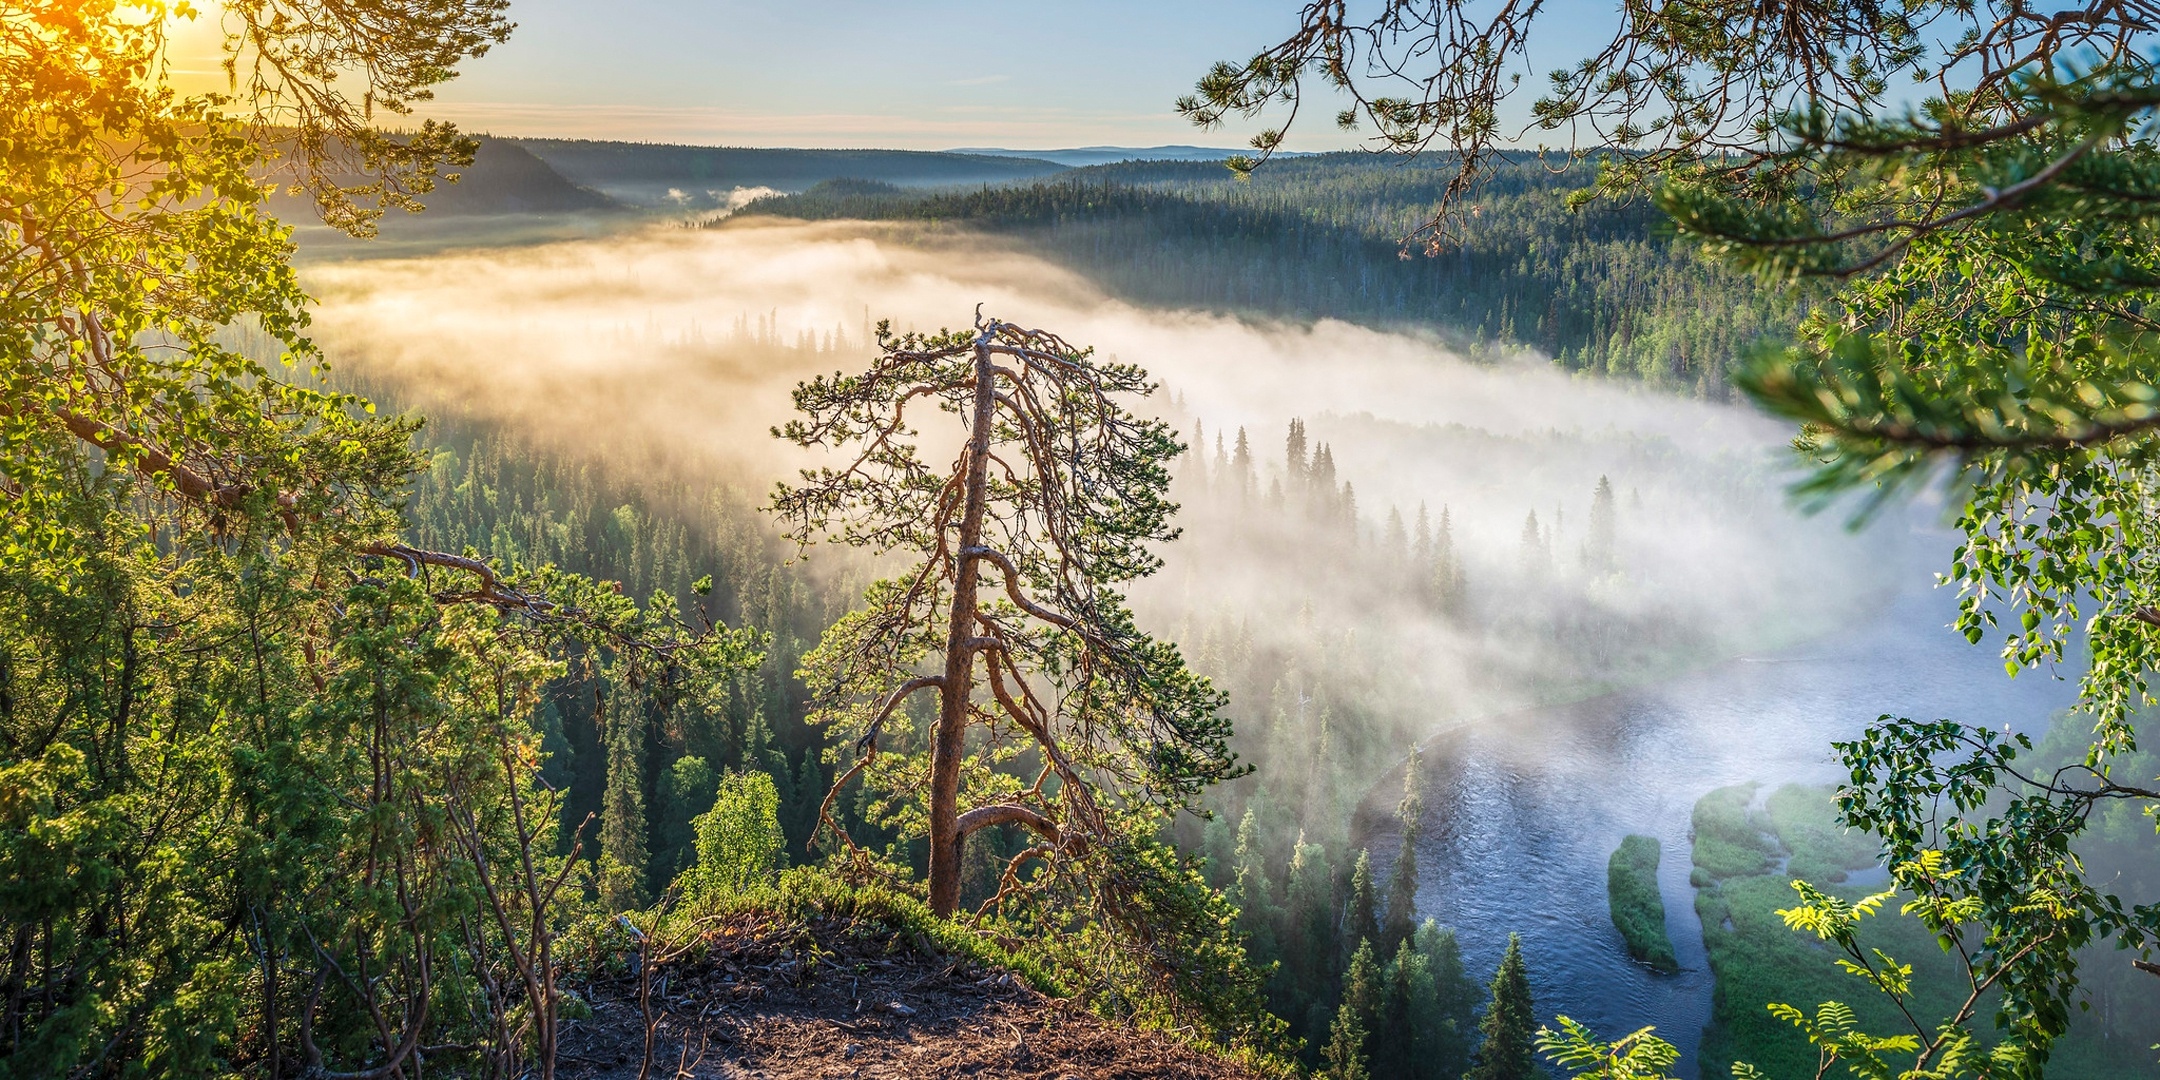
x=1328 y=615
x=1599 y=289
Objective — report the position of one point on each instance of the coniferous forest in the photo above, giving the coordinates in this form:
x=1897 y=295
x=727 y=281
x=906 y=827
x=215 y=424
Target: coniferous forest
x=1671 y=606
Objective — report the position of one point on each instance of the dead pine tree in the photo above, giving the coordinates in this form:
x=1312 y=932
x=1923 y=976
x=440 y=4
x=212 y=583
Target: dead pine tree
x=1055 y=712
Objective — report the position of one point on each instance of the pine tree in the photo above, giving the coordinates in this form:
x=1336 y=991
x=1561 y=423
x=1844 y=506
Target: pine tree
x=1507 y=1050
x=1348 y=1050
x=1402 y=880
x=1361 y=921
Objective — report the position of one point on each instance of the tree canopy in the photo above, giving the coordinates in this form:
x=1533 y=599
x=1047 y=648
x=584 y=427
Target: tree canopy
x=270 y=792
x=1989 y=234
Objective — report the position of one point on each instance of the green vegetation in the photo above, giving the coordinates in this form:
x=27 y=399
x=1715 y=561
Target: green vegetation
x=1755 y=957
x=1321 y=237
x=1728 y=840
x=1631 y=884
x=1823 y=848
x=1760 y=958
x=1508 y=1029
x=1985 y=274
x=275 y=774
x=1759 y=961
x=657 y=174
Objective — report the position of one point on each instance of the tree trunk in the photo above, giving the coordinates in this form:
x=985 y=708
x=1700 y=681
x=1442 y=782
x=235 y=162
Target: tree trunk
x=946 y=752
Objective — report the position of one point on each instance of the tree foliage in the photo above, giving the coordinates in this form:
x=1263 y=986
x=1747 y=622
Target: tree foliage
x=272 y=797
x=1508 y=1030
x=1055 y=712
x=1991 y=244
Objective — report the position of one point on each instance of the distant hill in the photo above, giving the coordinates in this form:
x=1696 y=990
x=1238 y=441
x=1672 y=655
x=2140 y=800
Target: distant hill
x=697 y=177
x=504 y=178
x=1081 y=156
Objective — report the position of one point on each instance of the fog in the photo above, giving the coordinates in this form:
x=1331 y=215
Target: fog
x=673 y=350
x=652 y=324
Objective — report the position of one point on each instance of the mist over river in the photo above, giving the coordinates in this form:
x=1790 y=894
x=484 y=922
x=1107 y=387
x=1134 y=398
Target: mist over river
x=1522 y=810
x=668 y=356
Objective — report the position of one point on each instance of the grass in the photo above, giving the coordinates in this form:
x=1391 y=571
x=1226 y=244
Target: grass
x=804 y=894
x=1638 y=909
x=1823 y=851
x=1758 y=961
x=1728 y=843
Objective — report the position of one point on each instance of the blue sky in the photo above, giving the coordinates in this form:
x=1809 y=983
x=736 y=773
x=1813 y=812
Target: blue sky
x=928 y=74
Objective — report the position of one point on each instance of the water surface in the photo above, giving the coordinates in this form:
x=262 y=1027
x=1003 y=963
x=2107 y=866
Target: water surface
x=1522 y=811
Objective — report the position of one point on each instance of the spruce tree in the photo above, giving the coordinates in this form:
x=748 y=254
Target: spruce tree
x=1532 y=554
x=1509 y=1029
x=1361 y=921
x=1296 y=467
x=1421 y=548
x=623 y=854
x=1241 y=464
x=1309 y=944
x=1253 y=894
x=1348 y=1050
x=1409 y=1032
x=1455 y=999
x=1402 y=880
x=1604 y=525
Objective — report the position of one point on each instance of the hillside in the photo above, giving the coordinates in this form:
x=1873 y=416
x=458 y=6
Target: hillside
x=660 y=175
x=1078 y=156
x=1603 y=289
x=851 y=996
x=504 y=178
x=506 y=196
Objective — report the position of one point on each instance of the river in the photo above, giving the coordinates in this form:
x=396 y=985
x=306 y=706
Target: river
x=1522 y=811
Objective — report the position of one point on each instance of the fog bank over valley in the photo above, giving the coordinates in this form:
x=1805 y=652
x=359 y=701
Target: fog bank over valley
x=671 y=352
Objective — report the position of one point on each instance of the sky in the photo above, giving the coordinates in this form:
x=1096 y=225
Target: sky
x=913 y=74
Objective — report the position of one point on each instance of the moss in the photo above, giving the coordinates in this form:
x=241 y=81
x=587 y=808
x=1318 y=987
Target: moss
x=1638 y=910
x=809 y=892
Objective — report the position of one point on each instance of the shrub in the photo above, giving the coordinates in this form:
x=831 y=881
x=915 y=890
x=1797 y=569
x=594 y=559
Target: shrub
x=739 y=839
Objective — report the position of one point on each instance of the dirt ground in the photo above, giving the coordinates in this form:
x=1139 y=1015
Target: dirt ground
x=843 y=999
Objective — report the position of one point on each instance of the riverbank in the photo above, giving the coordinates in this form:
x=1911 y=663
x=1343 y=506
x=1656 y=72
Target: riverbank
x=1757 y=960
x=1524 y=809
